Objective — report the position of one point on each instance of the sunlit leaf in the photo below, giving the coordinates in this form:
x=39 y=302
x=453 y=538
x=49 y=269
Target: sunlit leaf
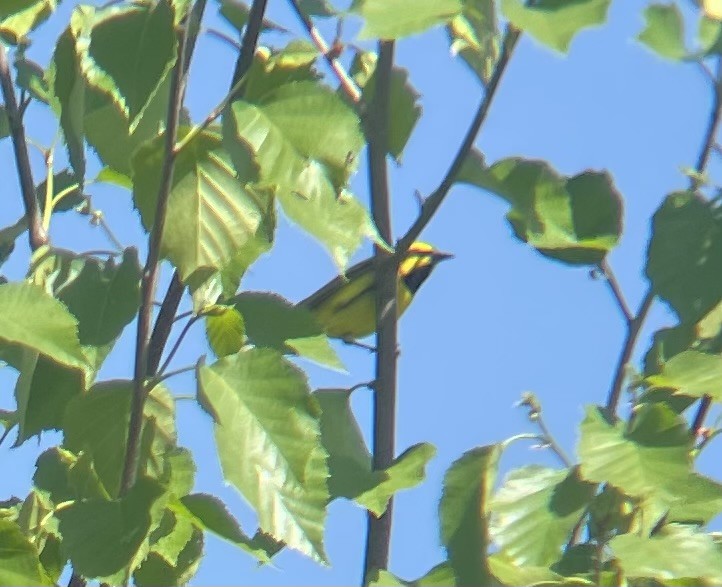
x=664 y=31
x=555 y=22
x=225 y=330
x=534 y=512
x=474 y=36
x=691 y=373
x=392 y=19
x=15 y=27
x=268 y=437
x=442 y=575
x=464 y=513
x=19 y=562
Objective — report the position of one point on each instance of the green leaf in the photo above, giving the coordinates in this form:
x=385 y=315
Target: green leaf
x=535 y=511
x=555 y=22
x=273 y=322
x=474 y=36
x=103 y=296
x=684 y=255
x=4 y=123
x=404 y=107
x=577 y=220
x=664 y=31
x=691 y=373
x=15 y=27
x=118 y=529
x=19 y=562
x=211 y=216
x=236 y=14
x=406 y=471
x=698 y=500
x=262 y=407
x=225 y=330
x=97 y=423
x=442 y=575
x=464 y=513
x=392 y=19
x=305 y=140
x=10 y=234
x=62 y=181
x=31 y=77
x=209 y=513
x=68 y=86
x=33 y=319
x=677 y=552
x=63 y=476
x=652 y=455
x=316 y=8
x=507 y=572
x=135 y=48
x=157 y=571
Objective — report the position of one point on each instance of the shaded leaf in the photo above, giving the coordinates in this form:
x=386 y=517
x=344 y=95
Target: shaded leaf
x=555 y=22
x=31 y=77
x=691 y=373
x=62 y=181
x=19 y=562
x=577 y=220
x=268 y=438
x=157 y=571
x=684 y=255
x=442 y=575
x=392 y=19
x=474 y=36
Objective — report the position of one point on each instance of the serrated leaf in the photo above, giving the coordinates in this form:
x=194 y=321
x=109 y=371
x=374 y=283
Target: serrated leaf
x=577 y=220
x=392 y=19
x=691 y=373
x=135 y=49
x=664 y=31
x=555 y=22
x=19 y=562
x=211 y=216
x=225 y=330
x=157 y=571
x=305 y=140
x=272 y=321
x=464 y=513
x=209 y=513
x=33 y=319
x=534 y=512
x=675 y=553
x=653 y=454
x=262 y=407
x=15 y=27
x=62 y=182
x=117 y=527
x=474 y=36
x=684 y=255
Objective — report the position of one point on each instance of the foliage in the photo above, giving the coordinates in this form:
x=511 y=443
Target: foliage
x=114 y=500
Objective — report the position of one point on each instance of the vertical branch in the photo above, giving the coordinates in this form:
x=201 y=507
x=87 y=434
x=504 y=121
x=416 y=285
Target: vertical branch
x=378 y=535
x=250 y=40
x=150 y=272
x=36 y=233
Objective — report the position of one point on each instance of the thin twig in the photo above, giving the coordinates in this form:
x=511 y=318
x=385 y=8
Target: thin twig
x=552 y=443
x=36 y=234
x=150 y=272
x=611 y=279
x=378 y=536
x=432 y=203
x=177 y=344
x=163 y=376
x=250 y=41
x=625 y=354
x=347 y=84
x=223 y=37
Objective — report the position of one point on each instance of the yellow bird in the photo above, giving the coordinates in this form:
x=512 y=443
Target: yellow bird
x=346 y=306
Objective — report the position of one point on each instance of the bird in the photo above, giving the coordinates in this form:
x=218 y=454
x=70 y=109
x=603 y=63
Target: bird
x=345 y=307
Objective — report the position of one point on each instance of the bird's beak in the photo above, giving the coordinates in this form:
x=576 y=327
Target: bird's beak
x=441 y=256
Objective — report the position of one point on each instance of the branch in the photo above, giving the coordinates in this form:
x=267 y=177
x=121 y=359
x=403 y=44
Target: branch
x=347 y=84
x=250 y=40
x=432 y=203
x=611 y=280
x=36 y=233
x=150 y=272
x=378 y=535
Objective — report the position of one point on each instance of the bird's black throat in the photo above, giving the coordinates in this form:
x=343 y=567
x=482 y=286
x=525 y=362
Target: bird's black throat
x=414 y=278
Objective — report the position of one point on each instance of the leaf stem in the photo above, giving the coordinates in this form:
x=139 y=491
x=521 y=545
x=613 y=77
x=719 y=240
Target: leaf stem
x=347 y=84
x=611 y=280
x=378 y=535
x=177 y=344
x=432 y=203
x=36 y=234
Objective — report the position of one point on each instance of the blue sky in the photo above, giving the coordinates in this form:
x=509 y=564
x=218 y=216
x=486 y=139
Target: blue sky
x=498 y=320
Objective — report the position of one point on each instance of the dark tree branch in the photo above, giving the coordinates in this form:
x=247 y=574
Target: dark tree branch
x=432 y=203
x=250 y=41
x=611 y=280
x=36 y=232
x=378 y=535
x=347 y=84
x=150 y=272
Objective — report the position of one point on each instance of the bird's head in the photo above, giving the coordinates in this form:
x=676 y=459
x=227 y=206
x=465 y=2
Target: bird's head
x=419 y=262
